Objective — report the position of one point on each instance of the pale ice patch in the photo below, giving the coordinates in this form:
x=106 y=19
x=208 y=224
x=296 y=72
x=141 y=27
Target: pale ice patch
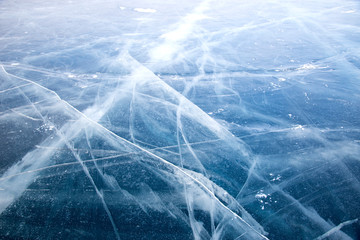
x=145 y=10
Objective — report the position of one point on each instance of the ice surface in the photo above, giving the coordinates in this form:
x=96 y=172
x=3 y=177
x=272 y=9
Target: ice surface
x=168 y=120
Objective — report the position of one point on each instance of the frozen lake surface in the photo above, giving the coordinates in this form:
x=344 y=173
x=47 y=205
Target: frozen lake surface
x=179 y=119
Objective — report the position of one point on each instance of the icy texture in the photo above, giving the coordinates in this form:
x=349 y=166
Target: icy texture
x=179 y=119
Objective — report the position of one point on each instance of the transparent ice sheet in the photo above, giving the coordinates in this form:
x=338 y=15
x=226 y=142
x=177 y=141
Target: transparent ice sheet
x=161 y=120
